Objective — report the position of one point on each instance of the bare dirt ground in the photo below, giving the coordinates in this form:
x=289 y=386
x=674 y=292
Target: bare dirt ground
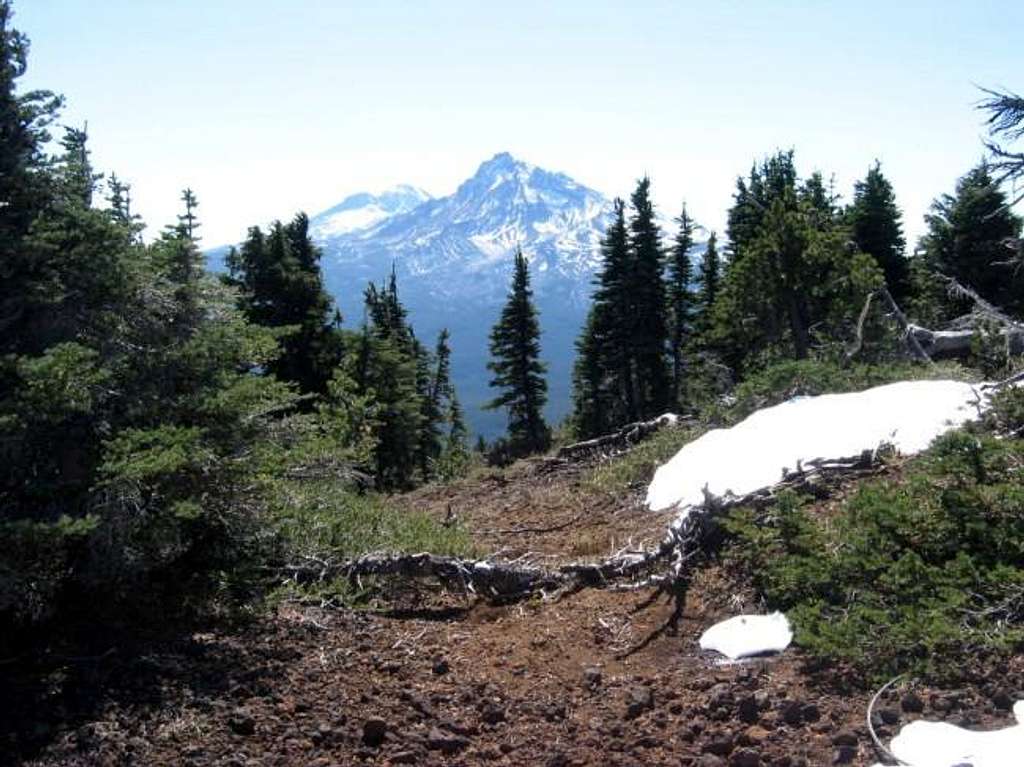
x=450 y=680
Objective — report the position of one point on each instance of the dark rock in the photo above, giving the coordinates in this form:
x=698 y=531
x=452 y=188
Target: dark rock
x=844 y=755
x=745 y=757
x=647 y=741
x=557 y=760
x=792 y=713
x=1003 y=700
x=241 y=722
x=720 y=696
x=912 y=703
x=889 y=716
x=810 y=712
x=643 y=696
x=719 y=744
x=374 y=730
x=748 y=711
x=492 y=714
x=441 y=666
x=592 y=677
x=446 y=743
x=844 y=738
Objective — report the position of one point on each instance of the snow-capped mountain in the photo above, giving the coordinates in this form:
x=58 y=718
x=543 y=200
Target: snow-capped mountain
x=453 y=258
x=364 y=210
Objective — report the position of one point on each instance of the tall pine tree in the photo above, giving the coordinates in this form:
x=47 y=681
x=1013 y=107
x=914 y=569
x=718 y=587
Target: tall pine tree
x=709 y=276
x=518 y=371
x=648 y=326
x=968 y=238
x=877 y=229
x=680 y=301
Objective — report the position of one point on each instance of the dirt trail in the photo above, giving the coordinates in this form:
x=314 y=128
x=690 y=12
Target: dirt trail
x=549 y=683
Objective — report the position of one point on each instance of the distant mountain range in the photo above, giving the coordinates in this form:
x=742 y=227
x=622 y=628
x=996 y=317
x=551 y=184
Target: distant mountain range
x=453 y=259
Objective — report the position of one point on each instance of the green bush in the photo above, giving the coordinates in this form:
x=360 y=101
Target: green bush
x=907 y=574
x=811 y=377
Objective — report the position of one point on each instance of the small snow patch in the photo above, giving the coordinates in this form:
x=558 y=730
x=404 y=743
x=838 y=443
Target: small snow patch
x=747 y=635
x=937 y=744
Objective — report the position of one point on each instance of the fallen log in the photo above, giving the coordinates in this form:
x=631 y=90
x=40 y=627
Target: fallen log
x=668 y=566
x=625 y=437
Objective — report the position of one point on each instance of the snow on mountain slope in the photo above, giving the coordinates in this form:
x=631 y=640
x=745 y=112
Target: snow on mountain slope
x=453 y=259
x=364 y=210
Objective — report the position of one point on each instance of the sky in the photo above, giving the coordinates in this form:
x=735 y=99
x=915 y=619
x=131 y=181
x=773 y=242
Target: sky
x=268 y=107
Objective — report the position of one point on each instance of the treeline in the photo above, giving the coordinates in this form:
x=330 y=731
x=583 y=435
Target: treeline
x=152 y=414
x=793 y=281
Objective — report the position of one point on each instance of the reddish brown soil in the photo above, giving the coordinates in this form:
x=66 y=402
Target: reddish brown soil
x=549 y=683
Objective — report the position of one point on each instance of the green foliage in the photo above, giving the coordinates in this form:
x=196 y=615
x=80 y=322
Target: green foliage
x=518 y=371
x=877 y=229
x=636 y=468
x=784 y=380
x=325 y=519
x=907 y=574
x=967 y=239
x=792 y=284
x=681 y=303
x=280 y=285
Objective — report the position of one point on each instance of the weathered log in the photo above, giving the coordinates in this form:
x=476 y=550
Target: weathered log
x=625 y=437
x=668 y=565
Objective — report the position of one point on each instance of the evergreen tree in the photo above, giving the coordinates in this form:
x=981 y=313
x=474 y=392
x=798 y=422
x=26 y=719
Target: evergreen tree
x=877 y=229
x=649 y=328
x=278 y=274
x=969 y=237
x=590 y=395
x=518 y=371
x=791 y=270
x=708 y=279
x=606 y=394
x=188 y=222
x=680 y=300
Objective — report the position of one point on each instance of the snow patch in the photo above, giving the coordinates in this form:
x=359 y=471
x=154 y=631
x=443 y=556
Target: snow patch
x=746 y=635
x=754 y=453
x=937 y=744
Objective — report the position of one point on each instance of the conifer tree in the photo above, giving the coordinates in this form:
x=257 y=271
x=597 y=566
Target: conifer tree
x=877 y=229
x=281 y=286
x=967 y=239
x=187 y=220
x=648 y=326
x=606 y=350
x=680 y=300
x=791 y=269
x=708 y=278
x=518 y=371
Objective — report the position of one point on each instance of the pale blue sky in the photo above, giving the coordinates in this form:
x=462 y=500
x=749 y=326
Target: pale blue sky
x=266 y=107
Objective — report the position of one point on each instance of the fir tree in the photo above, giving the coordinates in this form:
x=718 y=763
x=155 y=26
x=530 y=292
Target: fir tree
x=877 y=229
x=606 y=352
x=680 y=300
x=708 y=279
x=188 y=222
x=518 y=371
x=648 y=326
x=281 y=286
x=968 y=237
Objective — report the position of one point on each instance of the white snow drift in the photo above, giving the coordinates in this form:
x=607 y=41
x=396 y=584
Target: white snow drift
x=747 y=635
x=937 y=744
x=752 y=454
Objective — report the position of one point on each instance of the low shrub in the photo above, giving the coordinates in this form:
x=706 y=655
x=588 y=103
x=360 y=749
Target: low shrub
x=913 y=573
